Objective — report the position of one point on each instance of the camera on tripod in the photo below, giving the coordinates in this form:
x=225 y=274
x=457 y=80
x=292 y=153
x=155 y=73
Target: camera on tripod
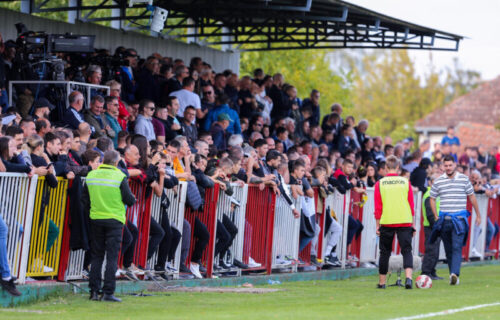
x=36 y=50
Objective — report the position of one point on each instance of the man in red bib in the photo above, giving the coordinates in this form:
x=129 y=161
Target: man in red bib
x=394 y=215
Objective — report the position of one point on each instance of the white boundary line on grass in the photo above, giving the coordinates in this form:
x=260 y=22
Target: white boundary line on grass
x=447 y=312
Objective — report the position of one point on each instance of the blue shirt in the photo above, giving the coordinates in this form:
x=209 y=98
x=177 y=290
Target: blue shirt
x=234 y=125
x=113 y=123
x=144 y=126
x=450 y=141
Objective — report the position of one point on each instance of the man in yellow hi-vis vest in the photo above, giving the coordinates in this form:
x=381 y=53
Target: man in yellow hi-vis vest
x=105 y=195
x=394 y=215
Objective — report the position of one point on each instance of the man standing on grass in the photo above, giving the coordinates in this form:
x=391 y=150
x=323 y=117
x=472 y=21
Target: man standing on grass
x=105 y=194
x=394 y=213
x=453 y=189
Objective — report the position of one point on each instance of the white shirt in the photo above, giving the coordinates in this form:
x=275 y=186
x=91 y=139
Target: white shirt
x=186 y=98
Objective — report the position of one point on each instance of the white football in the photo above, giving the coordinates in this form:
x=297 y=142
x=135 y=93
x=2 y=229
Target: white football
x=423 y=282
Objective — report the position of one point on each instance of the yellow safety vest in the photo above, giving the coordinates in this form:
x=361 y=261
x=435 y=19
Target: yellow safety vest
x=426 y=195
x=105 y=194
x=395 y=206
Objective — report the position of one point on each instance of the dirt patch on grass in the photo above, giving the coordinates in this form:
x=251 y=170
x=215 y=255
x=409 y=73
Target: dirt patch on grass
x=215 y=289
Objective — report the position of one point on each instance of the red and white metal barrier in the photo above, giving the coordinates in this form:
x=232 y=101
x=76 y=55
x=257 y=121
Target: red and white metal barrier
x=259 y=227
x=494 y=215
x=477 y=234
x=369 y=250
x=305 y=254
x=417 y=221
x=175 y=212
x=286 y=233
x=140 y=216
x=71 y=262
x=339 y=204
x=16 y=208
x=236 y=213
x=209 y=218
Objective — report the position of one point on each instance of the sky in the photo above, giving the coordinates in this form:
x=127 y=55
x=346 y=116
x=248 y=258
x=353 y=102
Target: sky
x=478 y=21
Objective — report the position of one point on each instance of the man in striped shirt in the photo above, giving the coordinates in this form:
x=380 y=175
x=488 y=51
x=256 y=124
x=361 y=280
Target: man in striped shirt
x=453 y=188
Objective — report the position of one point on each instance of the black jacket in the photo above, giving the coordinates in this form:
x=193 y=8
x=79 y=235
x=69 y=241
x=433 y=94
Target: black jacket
x=418 y=177
x=15 y=167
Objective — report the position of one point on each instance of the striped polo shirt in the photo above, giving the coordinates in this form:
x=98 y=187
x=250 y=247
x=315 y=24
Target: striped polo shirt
x=452 y=192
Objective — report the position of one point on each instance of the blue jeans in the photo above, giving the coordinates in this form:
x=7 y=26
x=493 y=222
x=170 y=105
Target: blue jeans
x=490 y=233
x=453 y=245
x=4 y=263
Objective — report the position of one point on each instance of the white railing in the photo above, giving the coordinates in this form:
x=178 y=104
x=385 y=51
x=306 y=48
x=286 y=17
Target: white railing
x=16 y=208
x=286 y=233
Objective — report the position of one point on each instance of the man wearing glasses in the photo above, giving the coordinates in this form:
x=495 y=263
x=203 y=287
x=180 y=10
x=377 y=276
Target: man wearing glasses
x=207 y=102
x=144 y=124
x=112 y=112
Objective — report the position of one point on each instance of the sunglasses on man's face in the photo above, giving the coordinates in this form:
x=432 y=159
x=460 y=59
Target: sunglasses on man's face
x=207 y=92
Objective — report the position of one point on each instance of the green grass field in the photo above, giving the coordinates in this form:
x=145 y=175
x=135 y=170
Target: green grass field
x=346 y=299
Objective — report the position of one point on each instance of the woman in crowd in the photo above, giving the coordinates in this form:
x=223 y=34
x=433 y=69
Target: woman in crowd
x=7 y=151
x=371 y=174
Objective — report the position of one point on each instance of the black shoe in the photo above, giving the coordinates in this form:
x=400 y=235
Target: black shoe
x=184 y=269
x=240 y=264
x=163 y=275
x=380 y=286
x=94 y=296
x=218 y=268
x=435 y=277
x=224 y=265
x=314 y=261
x=409 y=283
x=10 y=287
x=111 y=298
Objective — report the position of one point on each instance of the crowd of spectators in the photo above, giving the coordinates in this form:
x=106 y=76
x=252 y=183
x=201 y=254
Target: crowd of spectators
x=175 y=121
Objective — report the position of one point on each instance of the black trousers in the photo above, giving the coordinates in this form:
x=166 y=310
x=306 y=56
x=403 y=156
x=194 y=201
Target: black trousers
x=226 y=232
x=156 y=234
x=404 y=239
x=130 y=235
x=202 y=235
x=105 y=239
x=169 y=243
x=431 y=255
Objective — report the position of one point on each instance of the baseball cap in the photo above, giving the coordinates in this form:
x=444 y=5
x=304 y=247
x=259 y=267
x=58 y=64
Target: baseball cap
x=224 y=116
x=43 y=102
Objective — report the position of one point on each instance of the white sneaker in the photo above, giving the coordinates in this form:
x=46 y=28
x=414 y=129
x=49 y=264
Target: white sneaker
x=47 y=269
x=119 y=273
x=253 y=264
x=454 y=280
x=475 y=253
x=282 y=262
x=195 y=270
x=39 y=266
x=133 y=268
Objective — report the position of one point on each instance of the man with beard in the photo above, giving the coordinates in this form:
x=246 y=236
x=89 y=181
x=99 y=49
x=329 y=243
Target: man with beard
x=42 y=109
x=453 y=189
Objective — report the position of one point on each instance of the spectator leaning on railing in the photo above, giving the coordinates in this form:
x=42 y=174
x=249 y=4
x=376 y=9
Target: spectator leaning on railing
x=258 y=123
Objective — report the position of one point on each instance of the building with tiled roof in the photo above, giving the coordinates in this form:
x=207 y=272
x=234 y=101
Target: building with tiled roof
x=475 y=116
